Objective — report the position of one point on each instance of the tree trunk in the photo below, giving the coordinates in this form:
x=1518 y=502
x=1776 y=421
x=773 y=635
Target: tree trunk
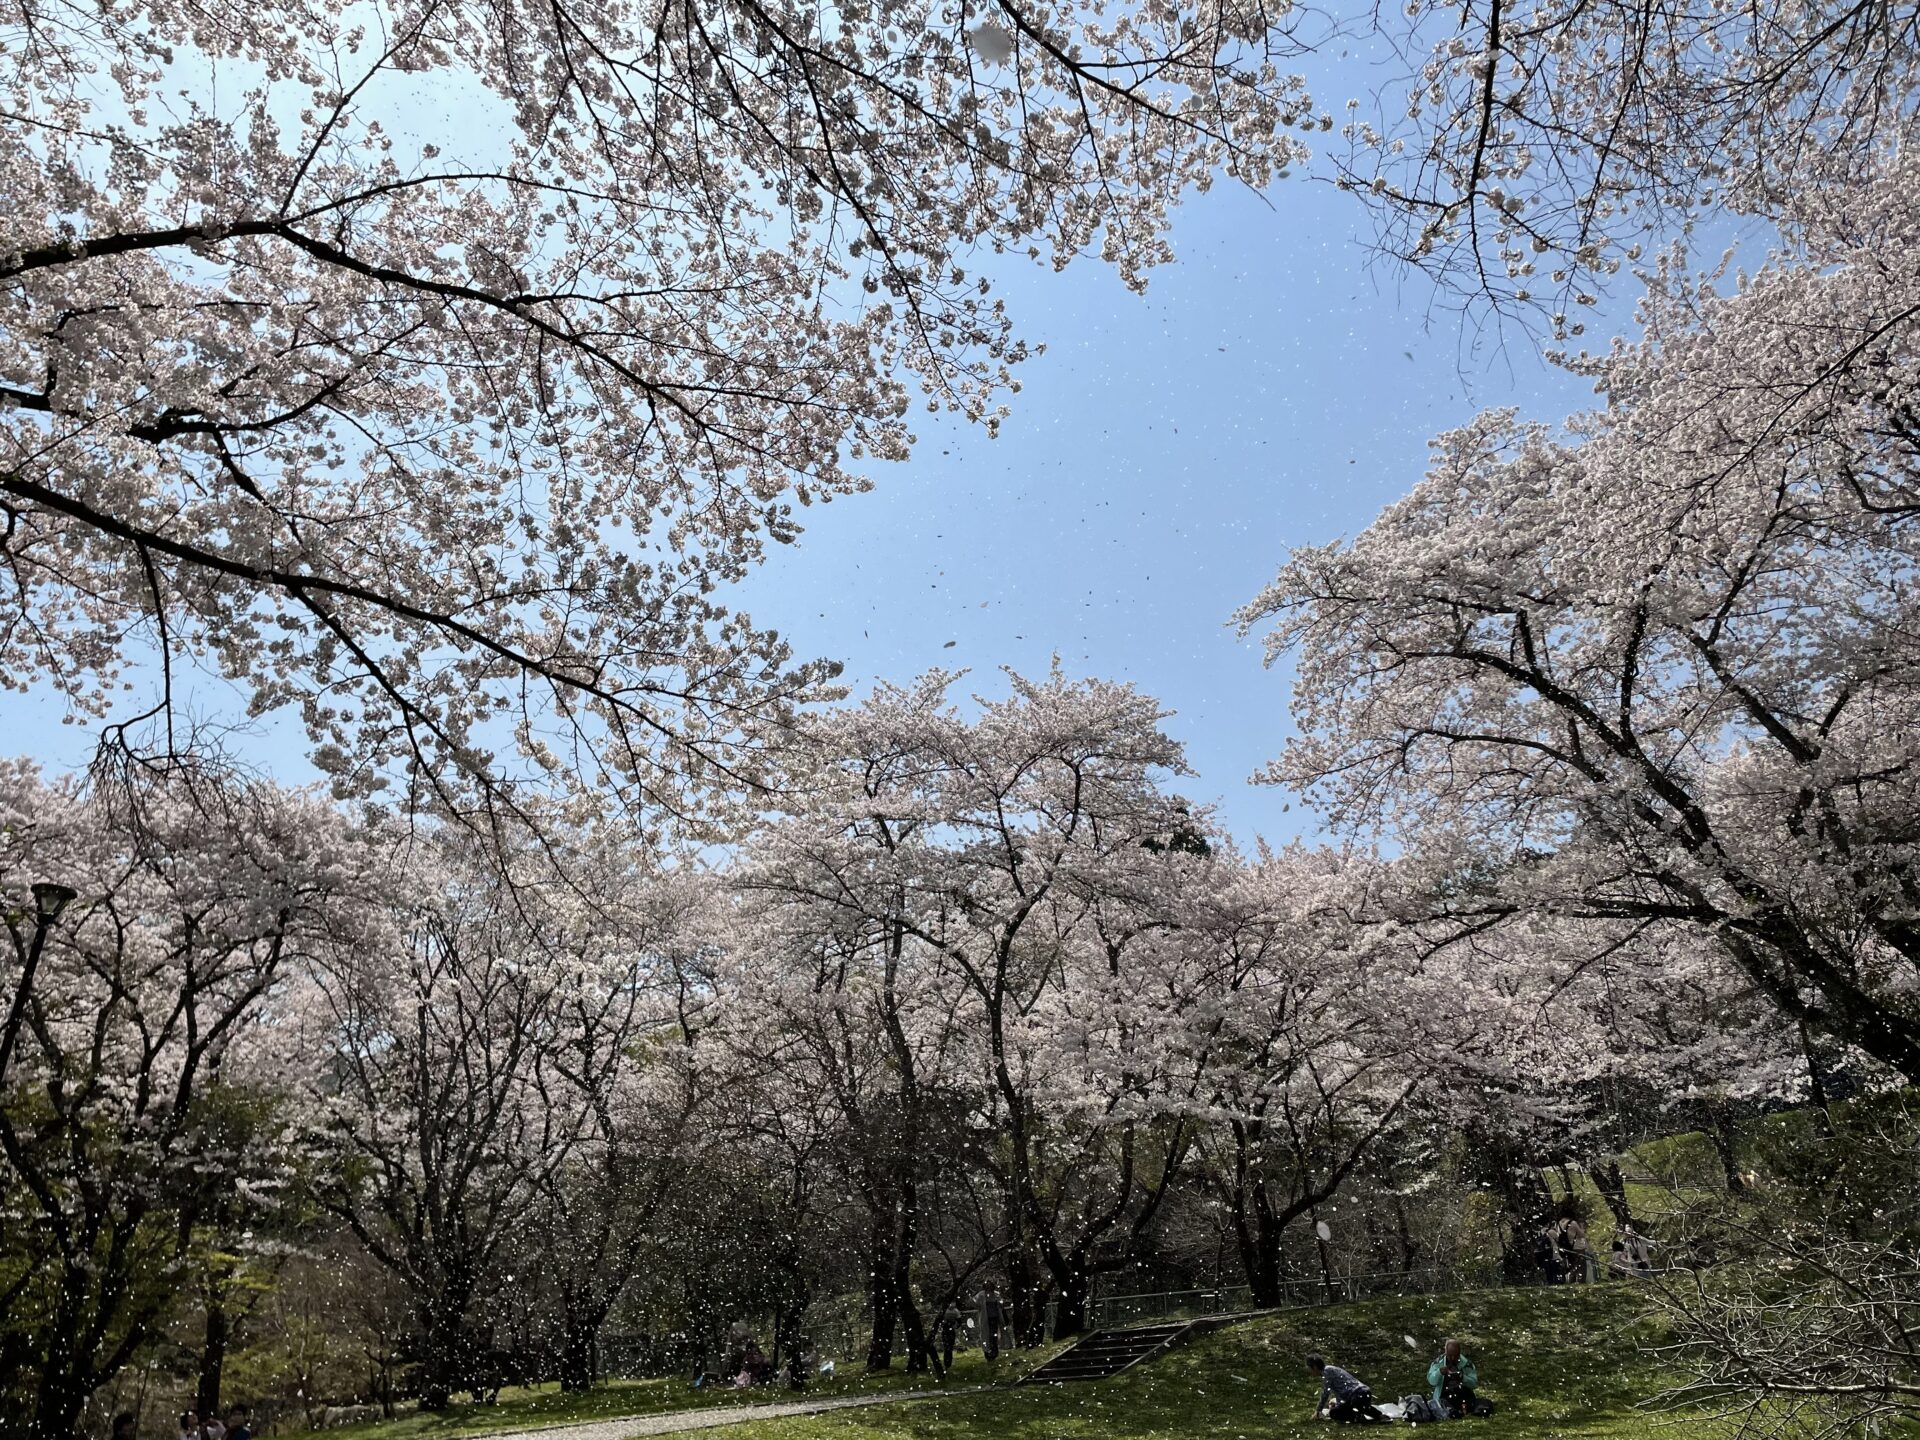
x=1259 y=1248
x=880 y=1297
x=442 y=1360
x=789 y=1334
x=1722 y=1132
x=62 y=1392
x=57 y=1403
x=213 y=1359
x=578 y=1352
x=1612 y=1186
x=1816 y=1085
x=1409 y=1252
x=906 y=1236
x=1027 y=1294
x=919 y=1341
x=1075 y=1291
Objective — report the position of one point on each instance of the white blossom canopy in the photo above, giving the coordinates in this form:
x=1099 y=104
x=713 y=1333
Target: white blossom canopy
x=449 y=439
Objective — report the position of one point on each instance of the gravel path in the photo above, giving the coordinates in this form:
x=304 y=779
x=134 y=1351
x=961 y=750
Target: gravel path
x=674 y=1421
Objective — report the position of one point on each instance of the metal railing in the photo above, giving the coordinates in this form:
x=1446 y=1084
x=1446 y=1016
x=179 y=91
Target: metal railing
x=1107 y=1311
x=838 y=1326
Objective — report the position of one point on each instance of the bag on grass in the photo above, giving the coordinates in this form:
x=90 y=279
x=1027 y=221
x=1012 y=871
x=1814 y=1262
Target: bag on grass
x=1418 y=1410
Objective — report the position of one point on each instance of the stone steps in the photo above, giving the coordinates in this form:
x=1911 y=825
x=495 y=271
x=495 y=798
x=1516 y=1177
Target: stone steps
x=1108 y=1352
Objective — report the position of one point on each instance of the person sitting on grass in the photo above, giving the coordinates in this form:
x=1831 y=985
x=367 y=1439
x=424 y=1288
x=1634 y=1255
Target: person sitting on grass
x=1352 y=1397
x=1453 y=1377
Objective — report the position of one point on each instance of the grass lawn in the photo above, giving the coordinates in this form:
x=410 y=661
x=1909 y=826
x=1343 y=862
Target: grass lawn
x=1559 y=1363
x=545 y=1405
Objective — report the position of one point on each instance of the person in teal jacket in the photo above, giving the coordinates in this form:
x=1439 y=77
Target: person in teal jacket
x=1453 y=1379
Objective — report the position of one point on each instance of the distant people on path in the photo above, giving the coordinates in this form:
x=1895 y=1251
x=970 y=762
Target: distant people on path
x=993 y=1315
x=1577 y=1256
x=739 y=1337
x=1345 y=1398
x=949 y=1331
x=1620 y=1265
x=1546 y=1254
x=1451 y=1380
x=1639 y=1248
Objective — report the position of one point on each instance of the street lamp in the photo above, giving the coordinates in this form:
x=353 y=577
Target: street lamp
x=49 y=899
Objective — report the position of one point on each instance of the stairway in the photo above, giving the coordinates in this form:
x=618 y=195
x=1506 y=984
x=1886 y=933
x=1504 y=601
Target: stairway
x=1108 y=1352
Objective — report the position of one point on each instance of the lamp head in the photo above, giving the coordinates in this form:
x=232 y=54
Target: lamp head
x=49 y=899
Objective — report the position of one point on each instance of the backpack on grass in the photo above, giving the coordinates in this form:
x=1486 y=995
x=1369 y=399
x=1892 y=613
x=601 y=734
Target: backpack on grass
x=1418 y=1410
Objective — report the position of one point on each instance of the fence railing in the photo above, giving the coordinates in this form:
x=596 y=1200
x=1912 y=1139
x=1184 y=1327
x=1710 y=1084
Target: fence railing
x=1107 y=1311
x=838 y=1327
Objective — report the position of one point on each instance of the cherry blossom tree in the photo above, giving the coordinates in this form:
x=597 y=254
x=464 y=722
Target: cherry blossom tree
x=1309 y=1048
x=596 y=1211
x=1536 y=148
x=1028 y=857
x=859 y=1004
x=472 y=1064
x=142 y=1022
x=1657 y=668
x=446 y=431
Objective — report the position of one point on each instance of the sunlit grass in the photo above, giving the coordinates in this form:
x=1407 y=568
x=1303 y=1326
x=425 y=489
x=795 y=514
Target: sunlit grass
x=1565 y=1362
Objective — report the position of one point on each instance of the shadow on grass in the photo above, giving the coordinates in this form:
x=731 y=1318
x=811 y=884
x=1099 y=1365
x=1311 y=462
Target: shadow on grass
x=545 y=1405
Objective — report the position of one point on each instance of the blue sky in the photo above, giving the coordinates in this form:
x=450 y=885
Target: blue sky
x=1274 y=387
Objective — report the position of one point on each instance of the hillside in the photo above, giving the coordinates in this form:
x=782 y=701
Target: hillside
x=1559 y=1363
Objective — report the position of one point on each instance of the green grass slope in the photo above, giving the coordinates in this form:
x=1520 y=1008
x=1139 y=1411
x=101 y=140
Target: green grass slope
x=1565 y=1362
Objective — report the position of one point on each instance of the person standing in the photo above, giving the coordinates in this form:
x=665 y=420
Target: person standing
x=993 y=1314
x=239 y=1423
x=1573 y=1241
x=189 y=1425
x=126 y=1426
x=949 y=1332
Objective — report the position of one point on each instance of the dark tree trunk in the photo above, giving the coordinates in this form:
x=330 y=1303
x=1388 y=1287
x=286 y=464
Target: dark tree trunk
x=1409 y=1252
x=913 y=1326
x=1256 y=1237
x=63 y=1387
x=789 y=1334
x=57 y=1403
x=1816 y=1084
x=1612 y=1186
x=1527 y=1205
x=213 y=1358
x=905 y=1236
x=579 y=1351
x=880 y=1296
x=1027 y=1295
x=1072 y=1300
x=1725 y=1137
x=443 y=1357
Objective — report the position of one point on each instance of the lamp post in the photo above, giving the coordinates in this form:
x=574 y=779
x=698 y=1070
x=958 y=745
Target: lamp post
x=49 y=899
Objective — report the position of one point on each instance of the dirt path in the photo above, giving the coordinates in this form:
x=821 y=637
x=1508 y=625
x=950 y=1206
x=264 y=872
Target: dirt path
x=672 y=1422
